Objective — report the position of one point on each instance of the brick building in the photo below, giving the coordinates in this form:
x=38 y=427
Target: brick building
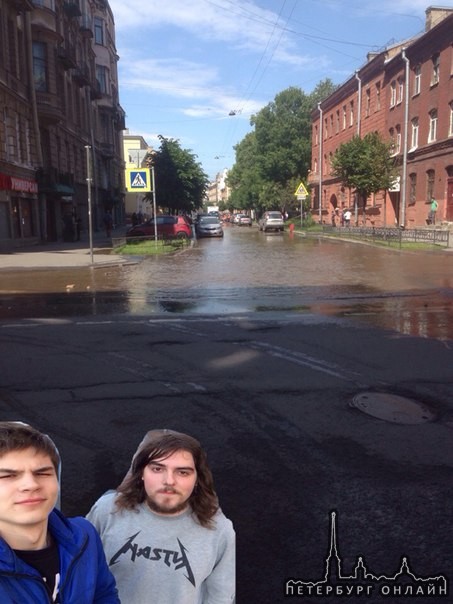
x=58 y=94
x=406 y=94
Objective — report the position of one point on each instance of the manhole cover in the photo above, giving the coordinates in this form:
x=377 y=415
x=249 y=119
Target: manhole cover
x=392 y=408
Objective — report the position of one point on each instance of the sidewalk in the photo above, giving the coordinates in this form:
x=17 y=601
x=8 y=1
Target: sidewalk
x=64 y=254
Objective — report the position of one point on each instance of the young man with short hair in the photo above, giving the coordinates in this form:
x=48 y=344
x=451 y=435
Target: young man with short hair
x=44 y=557
x=165 y=538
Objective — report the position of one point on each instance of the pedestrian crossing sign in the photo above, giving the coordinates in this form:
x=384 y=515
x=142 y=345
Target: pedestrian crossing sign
x=138 y=180
x=301 y=190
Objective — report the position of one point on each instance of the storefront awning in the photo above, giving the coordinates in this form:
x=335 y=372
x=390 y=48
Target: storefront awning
x=58 y=189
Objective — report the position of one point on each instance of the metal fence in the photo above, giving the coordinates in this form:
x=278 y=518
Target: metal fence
x=392 y=235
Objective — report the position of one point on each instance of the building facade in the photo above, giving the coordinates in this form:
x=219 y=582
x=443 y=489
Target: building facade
x=60 y=132
x=135 y=150
x=218 y=191
x=404 y=93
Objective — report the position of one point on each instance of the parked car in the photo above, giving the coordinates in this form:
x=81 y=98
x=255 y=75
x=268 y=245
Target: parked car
x=245 y=220
x=168 y=227
x=271 y=221
x=208 y=226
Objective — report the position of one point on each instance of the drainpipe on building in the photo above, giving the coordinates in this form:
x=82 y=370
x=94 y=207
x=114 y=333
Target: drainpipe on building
x=320 y=162
x=406 y=125
x=359 y=126
x=359 y=103
x=35 y=118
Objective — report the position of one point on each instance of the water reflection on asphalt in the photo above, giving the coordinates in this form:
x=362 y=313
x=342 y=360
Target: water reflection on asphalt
x=248 y=271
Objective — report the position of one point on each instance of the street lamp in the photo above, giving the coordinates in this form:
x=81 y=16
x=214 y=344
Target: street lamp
x=90 y=224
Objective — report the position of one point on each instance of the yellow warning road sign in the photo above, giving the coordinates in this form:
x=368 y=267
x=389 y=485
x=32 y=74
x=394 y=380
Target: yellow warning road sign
x=301 y=190
x=138 y=180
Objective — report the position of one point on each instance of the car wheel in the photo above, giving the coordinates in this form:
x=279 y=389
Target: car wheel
x=182 y=235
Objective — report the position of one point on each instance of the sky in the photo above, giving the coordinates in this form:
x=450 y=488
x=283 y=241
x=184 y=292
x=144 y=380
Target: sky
x=197 y=70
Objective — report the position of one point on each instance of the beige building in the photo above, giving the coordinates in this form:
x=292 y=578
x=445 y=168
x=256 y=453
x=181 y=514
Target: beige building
x=58 y=96
x=218 y=191
x=135 y=150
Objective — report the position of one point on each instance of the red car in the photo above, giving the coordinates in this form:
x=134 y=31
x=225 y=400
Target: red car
x=168 y=227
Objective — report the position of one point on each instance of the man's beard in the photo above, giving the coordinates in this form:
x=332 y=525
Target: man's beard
x=176 y=509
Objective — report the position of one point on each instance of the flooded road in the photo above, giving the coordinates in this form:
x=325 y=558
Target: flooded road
x=249 y=271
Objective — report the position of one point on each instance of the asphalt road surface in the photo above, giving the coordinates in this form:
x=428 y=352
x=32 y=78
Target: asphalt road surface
x=282 y=404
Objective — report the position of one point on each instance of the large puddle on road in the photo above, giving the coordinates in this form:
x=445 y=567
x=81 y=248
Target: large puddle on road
x=249 y=272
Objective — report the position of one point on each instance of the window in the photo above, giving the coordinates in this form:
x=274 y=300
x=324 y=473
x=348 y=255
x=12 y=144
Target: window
x=40 y=66
x=344 y=117
x=316 y=136
x=417 y=79
x=392 y=141
x=400 y=90
x=331 y=125
x=98 y=31
x=101 y=77
x=337 y=125
x=414 y=133
x=315 y=166
x=432 y=135
x=450 y=128
x=351 y=113
x=436 y=69
x=393 y=94
x=398 y=139
x=378 y=96
x=430 y=175
x=325 y=128
x=412 y=188
x=367 y=102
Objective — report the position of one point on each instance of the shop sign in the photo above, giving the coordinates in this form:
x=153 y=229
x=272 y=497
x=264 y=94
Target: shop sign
x=24 y=185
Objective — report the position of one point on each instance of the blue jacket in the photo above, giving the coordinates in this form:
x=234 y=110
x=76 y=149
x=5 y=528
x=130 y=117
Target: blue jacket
x=85 y=576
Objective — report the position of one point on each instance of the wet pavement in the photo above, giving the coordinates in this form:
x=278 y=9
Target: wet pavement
x=246 y=272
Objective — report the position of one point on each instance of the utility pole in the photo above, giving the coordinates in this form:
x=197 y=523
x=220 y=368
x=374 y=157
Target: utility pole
x=90 y=221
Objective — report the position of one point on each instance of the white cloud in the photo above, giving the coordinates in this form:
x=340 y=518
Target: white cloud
x=242 y=26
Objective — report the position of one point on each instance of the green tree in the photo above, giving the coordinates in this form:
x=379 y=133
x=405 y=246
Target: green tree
x=365 y=164
x=243 y=178
x=180 y=180
x=273 y=158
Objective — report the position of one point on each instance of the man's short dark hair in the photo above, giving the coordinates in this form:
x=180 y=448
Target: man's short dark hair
x=160 y=444
x=17 y=436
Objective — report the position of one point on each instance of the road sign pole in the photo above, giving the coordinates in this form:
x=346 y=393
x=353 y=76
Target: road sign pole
x=154 y=203
x=301 y=198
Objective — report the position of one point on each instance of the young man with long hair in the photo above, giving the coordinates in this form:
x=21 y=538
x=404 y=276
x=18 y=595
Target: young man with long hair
x=165 y=537
x=44 y=557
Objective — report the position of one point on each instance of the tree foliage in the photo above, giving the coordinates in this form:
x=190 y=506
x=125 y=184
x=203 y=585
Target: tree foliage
x=365 y=164
x=180 y=180
x=276 y=155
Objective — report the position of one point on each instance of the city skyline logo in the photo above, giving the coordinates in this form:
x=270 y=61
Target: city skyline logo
x=362 y=582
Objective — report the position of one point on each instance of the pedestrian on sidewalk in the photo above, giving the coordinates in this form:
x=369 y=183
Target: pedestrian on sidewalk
x=347 y=217
x=432 y=211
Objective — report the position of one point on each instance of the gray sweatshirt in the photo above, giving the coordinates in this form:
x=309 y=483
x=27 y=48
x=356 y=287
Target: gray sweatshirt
x=159 y=559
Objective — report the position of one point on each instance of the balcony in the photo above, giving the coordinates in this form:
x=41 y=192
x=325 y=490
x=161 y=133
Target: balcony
x=67 y=57
x=22 y=5
x=81 y=75
x=120 y=119
x=107 y=150
x=95 y=91
x=71 y=8
x=49 y=108
x=86 y=26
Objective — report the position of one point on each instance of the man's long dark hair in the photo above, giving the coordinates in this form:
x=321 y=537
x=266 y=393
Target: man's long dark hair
x=160 y=444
